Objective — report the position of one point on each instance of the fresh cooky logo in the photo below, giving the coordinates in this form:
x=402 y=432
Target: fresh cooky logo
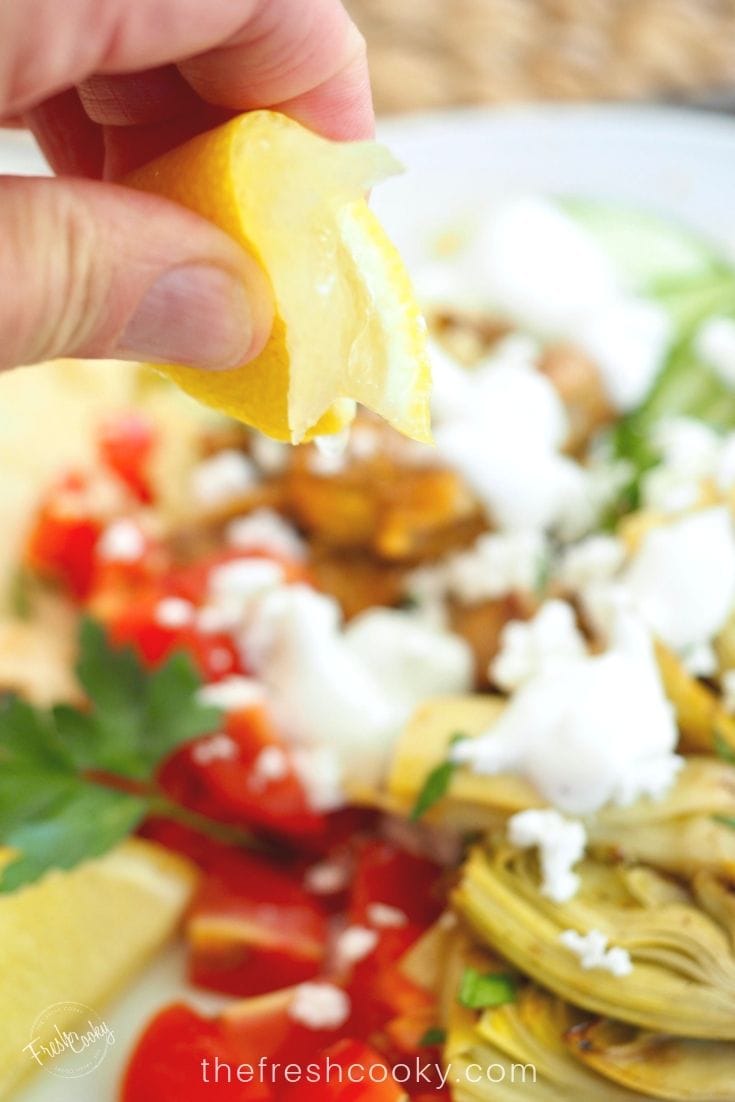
x=69 y=1040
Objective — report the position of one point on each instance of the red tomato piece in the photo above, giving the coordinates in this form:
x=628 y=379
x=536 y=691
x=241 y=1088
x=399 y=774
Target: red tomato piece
x=263 y=1027
x=349 y=1071
x=166 y=1065
x=232 y=790
x=387 y=874
x=377 y=986
x=125 y=445
x=137 y=625
x=253 y=929
x=62 y=542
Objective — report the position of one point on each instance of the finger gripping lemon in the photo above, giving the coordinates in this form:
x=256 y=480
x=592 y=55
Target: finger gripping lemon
x=347 y=327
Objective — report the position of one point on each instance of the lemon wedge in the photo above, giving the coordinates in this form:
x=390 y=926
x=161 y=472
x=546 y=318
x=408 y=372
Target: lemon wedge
x=347 y=326
x=75 y=938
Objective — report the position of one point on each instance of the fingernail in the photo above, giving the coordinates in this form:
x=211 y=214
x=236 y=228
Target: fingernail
x=197 y=315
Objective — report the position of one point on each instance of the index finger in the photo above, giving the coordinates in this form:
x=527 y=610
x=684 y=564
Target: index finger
x=303 y=56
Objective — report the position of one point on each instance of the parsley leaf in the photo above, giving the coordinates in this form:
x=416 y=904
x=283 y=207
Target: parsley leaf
x=479 y=990
x=433 y=1037
x=437 y=783
x=75 y=782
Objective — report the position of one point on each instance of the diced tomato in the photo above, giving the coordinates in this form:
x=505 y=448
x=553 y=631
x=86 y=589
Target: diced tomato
x=62 y=541
x=379 y=990
x=167 y=1064
x=387 y=874
x=232 y=790
x=137 y=625
x=135 y=620
x=263 y=1026
x=252 y=929
x=349 y=1071
x=125 y=445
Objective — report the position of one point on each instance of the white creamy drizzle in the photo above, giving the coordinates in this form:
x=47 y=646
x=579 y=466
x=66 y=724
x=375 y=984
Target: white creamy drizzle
x=682 y=579
x=531 y=262
x=504 y=435
x=587 y=731
x=346 y=692
x=528 y=647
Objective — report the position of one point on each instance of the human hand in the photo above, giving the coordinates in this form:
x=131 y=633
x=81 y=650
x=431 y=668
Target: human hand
x=91 y=269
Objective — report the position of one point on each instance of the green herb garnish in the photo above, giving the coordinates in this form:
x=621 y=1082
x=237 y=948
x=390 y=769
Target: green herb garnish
x=479 y=990
x=722 y=747
x=437 y=783
x=433 y=1037
x=75 y=781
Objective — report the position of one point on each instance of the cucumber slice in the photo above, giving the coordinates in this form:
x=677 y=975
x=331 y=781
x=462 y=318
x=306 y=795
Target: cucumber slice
x=648 y=249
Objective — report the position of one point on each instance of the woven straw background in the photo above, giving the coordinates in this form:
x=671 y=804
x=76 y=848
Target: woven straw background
x=431 y=53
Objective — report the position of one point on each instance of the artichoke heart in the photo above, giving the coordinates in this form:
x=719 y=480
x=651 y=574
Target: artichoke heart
x=699 y=711
x=673 y=1068
x=683 y=977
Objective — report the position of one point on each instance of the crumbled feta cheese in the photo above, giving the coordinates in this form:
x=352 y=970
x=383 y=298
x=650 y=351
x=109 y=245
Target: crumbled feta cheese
x=715 y=344
x=235 y=584
x=587 y=730
x=594 y=560
x=386 y=917
x=213 y=620
x=682 y=579
x=320 y=772
x=347 y=690
x=121 y=541
x=498 y=564
x=327 y=877
x=329 y=454
x=528 y=648
x=232 y=694
x=271 y=456
x=507 y=445
x=215 y=748
x=690 y=452
x=320 y=1006
x=593 y=952
x=174 y=612
x=561 y=844
x=354 y=944
x=222 y=478
x=265 y=530
x=271 y=764
x=427 y=590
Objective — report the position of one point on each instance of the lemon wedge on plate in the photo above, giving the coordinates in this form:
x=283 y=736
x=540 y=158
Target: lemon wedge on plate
x=73 y=939
x=347 y=326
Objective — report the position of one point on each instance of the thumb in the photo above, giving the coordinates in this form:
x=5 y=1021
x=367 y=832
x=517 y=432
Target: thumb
x=96 y=270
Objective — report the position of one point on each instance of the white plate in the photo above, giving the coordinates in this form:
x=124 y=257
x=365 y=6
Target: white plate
x=677 y=162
